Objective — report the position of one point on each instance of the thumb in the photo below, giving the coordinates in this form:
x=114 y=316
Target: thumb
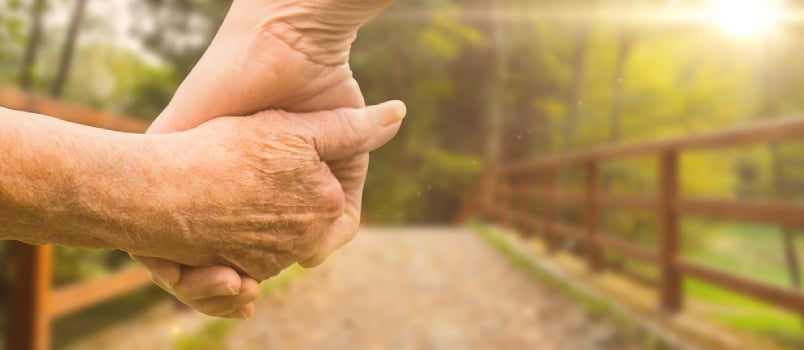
x=346 y=133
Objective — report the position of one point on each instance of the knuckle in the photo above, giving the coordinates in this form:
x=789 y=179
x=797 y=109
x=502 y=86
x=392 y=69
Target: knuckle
x=331 y=199
x=353 y=127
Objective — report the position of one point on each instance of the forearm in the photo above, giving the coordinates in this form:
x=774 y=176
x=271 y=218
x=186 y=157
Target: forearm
x=66 y=184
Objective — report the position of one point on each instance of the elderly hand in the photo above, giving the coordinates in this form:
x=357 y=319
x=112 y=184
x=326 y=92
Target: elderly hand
x=290 y=55
x=256 y=193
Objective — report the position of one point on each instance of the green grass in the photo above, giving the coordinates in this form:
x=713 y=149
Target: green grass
x=79 y=325
x=595 y=306
x=752 y=251
x=213 y=335
x=746 y=314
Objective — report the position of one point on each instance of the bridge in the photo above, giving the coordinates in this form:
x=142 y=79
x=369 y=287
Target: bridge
x=519 y=276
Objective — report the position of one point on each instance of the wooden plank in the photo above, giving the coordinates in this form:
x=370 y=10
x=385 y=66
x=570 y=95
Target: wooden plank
x=784 y=298
x=524 y=219
x=602 y=199
x=784 y=214
x=562 y=197
x=75 y=297
x=670 y=276
x=523 y=204
x=603 y=240
x=591 y=217
x=779 y=130
x=558 y=229
x=18 y=100
x=628 y=201
x=29 y=300
x=505 y=184
x=628 y=249
x=576 y=233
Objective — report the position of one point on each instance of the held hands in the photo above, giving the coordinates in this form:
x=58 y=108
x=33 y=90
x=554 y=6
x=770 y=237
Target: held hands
x=275 y=200
x=282 y=54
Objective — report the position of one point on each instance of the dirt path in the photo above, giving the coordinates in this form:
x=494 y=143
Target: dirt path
x=420 y=288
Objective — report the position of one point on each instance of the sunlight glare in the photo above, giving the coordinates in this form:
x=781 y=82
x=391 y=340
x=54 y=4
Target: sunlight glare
x=746 y=17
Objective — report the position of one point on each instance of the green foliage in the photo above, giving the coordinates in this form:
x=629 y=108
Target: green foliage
x=76 y=264
x=560 y=91
x=211 y=337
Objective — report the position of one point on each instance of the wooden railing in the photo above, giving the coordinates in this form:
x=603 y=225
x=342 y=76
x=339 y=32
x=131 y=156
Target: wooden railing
x=513 y=195
x=33 y=302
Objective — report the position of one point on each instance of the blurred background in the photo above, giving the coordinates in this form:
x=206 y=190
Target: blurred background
x=486 y=83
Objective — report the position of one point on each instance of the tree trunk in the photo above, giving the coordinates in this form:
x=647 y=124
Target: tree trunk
x=770 y=108
x=788 y=234
x=496 y=97
x=575 y=89
x=624 y=46
x=33 y=44
x=69 y=47
x=573 y=97
x=496 y=111
x=623 y=53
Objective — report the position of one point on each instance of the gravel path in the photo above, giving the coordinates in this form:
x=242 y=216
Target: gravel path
x=420 y=288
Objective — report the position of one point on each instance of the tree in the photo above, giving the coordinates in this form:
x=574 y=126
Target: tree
x=68 y=48
x=33 y=44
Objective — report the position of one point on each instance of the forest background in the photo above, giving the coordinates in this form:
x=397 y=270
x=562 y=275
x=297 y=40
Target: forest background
x=486 y=82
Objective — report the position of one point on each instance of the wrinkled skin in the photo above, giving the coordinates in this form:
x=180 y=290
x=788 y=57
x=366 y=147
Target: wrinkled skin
x=289 y=55
x=273 y=196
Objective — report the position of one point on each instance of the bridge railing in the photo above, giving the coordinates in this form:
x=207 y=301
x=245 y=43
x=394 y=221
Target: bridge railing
x=513 y=193
x=33 y=302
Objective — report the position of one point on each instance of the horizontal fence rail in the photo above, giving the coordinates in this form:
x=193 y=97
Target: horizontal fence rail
x=34 y=303
x=513 y=192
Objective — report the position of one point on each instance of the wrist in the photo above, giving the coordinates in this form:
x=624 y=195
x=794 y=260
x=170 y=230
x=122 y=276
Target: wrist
x=136 y=197
x=63 y=181
x=112 y=182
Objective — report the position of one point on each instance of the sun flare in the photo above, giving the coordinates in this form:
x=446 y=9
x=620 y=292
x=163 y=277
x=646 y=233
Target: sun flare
x=746 y=17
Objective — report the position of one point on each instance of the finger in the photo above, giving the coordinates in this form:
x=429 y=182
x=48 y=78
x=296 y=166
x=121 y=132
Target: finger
x=244 y=313
x=222 y=306
x=164 y=273
x=350 y=132
x=207 y=282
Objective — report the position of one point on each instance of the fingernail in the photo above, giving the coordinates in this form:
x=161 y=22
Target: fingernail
x=232 y=289
x=387 y=119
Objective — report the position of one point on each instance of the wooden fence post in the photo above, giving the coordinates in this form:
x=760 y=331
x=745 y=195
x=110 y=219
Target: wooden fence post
x=671 y=297
x=523 y=207
x=487 y=206
x=592 y=249
x=505 y=206
x=550 y=234
x=29 y=302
